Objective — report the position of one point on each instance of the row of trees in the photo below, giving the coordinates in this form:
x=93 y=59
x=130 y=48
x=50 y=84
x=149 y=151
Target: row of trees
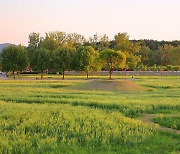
x=165 y=56
x=60 y=52
x=64 y=58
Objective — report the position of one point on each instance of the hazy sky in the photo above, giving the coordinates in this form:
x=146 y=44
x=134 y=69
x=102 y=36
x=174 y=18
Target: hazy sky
x=147 y=19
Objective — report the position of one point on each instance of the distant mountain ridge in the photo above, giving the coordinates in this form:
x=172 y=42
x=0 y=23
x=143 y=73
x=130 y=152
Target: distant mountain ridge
x=2 y=46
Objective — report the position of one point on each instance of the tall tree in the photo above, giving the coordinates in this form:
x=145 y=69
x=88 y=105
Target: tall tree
x=33 y=43
x=52 y=41
x=103 y=43
x=96 y=65
x=175 y=57
x=132 y=61
x=34 y=39
x=112 y=60
x=131 y=49
x=93 y=41
x=85 y=58
x=14 y=58
x=63 y=58
x=165 y=54
x=122 y=43
x=49 y=42
x=75 y=40
x=40 y=60
x=145 y=53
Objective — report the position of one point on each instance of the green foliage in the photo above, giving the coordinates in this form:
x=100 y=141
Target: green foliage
x=131 y=49
x=53 y=40
x=132 y=61
x=112 y=59
x=85 y=58
x=96 y=65
x=14 y=58
x=140 y=54
x=40 y=60
x=168 y=121
x=170 y=68
x=154 y=44
x=165 y=54
x=123 y=43
x=75 y=40
x=63 y=58
x=176 y=68
x=145 y=53
x=49 y=42
x=34 y=40
x=103 y=43
x=93 y=41
x=175 y=56
x=33 y=44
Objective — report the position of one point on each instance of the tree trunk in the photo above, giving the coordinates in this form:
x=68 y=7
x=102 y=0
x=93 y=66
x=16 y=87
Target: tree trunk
x=41 y=74
x=14 y=76
x=63 y=74
x=87 y=74
x=110 y=73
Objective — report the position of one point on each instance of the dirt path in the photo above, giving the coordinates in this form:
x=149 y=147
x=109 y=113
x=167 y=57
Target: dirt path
x=148 y=118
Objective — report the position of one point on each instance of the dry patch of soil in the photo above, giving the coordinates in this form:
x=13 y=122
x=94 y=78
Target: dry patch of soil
x=110 y=85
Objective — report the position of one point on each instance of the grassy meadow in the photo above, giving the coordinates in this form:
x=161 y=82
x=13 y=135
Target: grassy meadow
x=168 y=121
x=89 y=116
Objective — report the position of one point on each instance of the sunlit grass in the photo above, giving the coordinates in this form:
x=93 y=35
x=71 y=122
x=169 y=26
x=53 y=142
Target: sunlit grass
x=170 y=121
x=33 y=126
x=54 y=115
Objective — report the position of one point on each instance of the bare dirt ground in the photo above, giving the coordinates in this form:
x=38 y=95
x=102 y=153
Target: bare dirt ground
x=111 y=85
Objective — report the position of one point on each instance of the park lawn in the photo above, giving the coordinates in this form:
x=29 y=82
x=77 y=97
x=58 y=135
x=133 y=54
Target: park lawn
x=57 y=116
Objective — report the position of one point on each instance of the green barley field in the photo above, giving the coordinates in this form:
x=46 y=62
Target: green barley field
x=133 y=116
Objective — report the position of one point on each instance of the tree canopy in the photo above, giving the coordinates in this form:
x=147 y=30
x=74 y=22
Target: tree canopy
x=40 y=60
x=112 y=60
x=14 y=58
x=85 y=58
x=60 y=51
x=63 y=58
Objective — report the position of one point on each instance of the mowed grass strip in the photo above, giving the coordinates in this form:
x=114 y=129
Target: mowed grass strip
x=130 y=101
